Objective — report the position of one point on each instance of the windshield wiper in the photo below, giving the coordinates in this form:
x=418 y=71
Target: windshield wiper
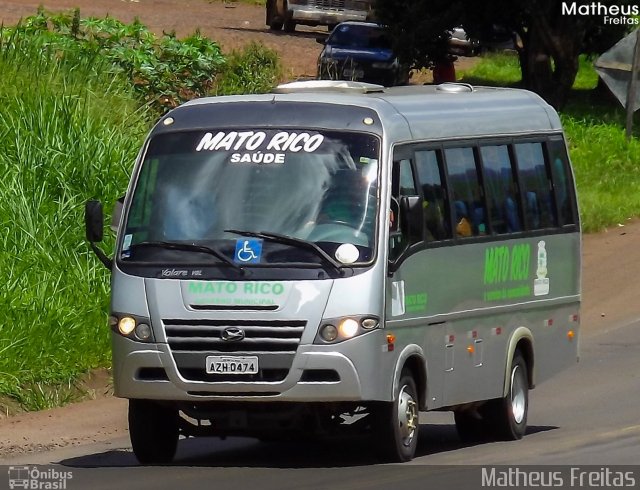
x=190 y=247
x=296 y=242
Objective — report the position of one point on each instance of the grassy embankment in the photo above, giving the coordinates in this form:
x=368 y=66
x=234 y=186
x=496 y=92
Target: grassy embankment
x=607 y=167
x=77 y=98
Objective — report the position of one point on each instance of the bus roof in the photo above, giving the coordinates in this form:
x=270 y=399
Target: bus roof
x=422 y=112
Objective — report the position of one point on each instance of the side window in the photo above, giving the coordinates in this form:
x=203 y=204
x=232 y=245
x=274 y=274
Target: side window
x=401 y=226
x=407 y=183
x=504 y=206
x=437 y=225
x=468 y=208
x=536 y=188
x=562 y=181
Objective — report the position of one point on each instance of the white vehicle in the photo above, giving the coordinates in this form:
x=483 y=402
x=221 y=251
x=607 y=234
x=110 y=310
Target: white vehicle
x=288 y=13
x=338 y=248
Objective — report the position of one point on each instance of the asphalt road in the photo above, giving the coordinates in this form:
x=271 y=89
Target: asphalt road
x=587 y=415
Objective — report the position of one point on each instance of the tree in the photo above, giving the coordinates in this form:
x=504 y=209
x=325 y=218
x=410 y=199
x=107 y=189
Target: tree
x=419 y=28
x=552 y=33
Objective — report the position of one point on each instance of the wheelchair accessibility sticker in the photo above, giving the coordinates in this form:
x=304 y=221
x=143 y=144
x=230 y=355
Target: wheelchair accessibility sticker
x=248 y=251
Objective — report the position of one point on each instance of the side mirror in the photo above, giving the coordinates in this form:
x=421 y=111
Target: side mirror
x=321 y=40
x=412 y=218
x=93 y=221
x=117 y=214
x=94 y=224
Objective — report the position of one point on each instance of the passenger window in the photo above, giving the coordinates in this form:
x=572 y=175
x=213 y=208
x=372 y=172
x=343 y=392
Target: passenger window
x=536 y=188
x=561 y=180
x=407 y=183
x=468 y=207
x=437 y=227
x=499 y=184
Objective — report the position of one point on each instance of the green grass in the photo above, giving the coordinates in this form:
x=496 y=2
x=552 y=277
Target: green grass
x=78 y=97
x=606 y=166
x=70 y=130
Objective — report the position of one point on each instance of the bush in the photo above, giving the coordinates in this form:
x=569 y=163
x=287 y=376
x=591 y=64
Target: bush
x=165 y=72
x=256 y=69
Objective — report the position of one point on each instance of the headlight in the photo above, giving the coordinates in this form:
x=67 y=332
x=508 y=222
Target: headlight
x=347 y=328
x=126 y=325
x=329 y=333
x=132 y=327
x=143 y=331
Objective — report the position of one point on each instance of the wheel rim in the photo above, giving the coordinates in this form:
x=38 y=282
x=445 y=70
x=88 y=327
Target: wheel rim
x=518 y=395
x=407 y=416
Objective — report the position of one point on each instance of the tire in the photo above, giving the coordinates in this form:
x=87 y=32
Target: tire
x=153 y=430
x=272 y=17
x=397 y=424
x=289 y=24
x=275 y=25
x=508 y=415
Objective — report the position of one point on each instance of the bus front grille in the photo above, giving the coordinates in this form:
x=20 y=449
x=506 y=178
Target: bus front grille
x=229 y=336
x=273 y=342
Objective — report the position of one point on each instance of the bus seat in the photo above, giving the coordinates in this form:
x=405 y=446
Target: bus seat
x=478 y=220
x=461 y=210
x=511 y=214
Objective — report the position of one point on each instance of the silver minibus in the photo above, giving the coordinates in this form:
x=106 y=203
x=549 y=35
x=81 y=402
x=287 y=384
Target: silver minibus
x=336 y=257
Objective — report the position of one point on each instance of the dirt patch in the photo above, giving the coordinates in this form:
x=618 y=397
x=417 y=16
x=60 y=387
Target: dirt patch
x=73 y=425
x=611 y=268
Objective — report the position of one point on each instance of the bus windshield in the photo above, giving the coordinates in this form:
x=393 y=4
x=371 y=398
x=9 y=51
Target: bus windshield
x=213 y=188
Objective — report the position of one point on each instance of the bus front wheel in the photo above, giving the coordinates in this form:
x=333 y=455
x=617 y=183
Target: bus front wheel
x=153 y=430
x=397 y=423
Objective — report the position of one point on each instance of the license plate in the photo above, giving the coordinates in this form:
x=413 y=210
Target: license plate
x=231 y=365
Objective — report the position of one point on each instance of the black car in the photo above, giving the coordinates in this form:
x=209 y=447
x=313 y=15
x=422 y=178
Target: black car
x=360 y=51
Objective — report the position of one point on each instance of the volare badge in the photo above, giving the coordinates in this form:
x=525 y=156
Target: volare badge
x=248 y=251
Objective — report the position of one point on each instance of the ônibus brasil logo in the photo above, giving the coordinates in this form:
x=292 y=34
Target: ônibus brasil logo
x=34 y=478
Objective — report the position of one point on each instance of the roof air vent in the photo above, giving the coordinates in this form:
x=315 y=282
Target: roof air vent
x=328 y=86
x=454 y=88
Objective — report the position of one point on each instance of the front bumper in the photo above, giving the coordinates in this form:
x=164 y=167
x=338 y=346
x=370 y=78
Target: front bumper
x=131 y=359
x=302 y=14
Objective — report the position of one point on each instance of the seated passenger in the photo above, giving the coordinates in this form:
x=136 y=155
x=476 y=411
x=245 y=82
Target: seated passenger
x=463 y=224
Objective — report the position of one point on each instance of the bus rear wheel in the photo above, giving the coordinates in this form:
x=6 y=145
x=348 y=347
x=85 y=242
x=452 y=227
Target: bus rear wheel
x=397 y=423
x=508 y=415
x=153 y=430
